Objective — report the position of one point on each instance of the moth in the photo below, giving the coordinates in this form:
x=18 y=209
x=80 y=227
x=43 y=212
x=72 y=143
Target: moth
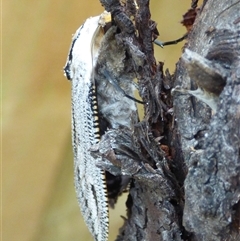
x=102 y=81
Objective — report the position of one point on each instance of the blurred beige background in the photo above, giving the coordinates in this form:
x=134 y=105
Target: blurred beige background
x=38 y=196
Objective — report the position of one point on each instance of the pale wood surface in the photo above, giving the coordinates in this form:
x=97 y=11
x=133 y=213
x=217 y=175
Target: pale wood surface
x=38 y=195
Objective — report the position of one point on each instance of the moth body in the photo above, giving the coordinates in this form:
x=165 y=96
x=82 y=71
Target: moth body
x=89 y=180
x=98 y=68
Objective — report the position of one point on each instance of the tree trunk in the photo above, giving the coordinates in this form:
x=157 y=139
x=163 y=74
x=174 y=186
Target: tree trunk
x=210 y=141
x=185 y=157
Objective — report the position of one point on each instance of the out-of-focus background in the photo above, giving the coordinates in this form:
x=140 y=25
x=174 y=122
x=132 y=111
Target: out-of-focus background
x=39 y=202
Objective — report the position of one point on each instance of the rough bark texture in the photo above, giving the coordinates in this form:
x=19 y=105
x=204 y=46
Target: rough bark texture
x=184 y=161
x=210 y=142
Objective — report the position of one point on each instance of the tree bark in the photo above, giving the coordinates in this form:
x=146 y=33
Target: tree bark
x=184 y=159
x=210 y=142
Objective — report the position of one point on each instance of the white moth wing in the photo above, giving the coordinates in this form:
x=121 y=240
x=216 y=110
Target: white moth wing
x=89 y=180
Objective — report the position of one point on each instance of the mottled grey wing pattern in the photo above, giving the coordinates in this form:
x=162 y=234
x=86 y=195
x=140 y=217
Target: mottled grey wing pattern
x=89 y=179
